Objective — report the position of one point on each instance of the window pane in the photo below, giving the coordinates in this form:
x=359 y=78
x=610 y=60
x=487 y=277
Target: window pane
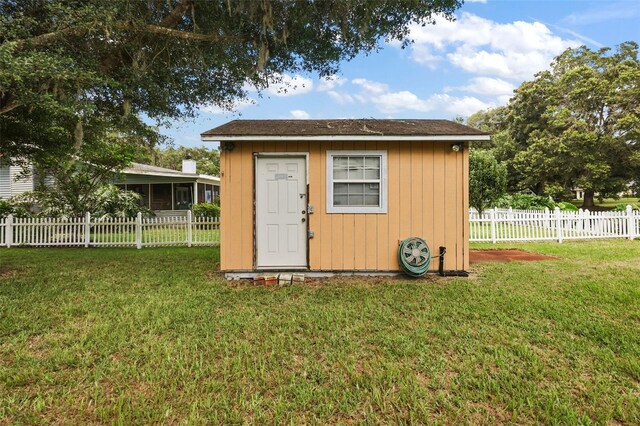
x=356 y=200
x=372 y=168
x=356 y=188
x=340 y=166
x=340 y=200
x=372 y=188
x=356 y=167
x=372 y=200
x=340 y=188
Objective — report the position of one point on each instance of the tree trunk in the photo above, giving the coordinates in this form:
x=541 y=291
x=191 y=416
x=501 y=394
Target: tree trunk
x=587 y=202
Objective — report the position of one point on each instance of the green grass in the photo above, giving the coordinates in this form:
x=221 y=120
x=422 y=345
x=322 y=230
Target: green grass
x=609 y=203
x=157 y=336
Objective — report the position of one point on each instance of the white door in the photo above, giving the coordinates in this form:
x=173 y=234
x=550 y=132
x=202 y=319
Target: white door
x=281 y=204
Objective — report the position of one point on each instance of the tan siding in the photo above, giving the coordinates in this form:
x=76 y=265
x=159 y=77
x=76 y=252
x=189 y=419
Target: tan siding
x=225 y=244
x=382 y=232
x=417 y=189
x=393 y=209
x=438 y=197
x=315 y=200
x=427 y=197
x=326 y=226
x=465 y=208
x=370 y=239
x=237 y=193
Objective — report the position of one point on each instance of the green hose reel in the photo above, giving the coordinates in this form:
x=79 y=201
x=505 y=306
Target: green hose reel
x=414 y=256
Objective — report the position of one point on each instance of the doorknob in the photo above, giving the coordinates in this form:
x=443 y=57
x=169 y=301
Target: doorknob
x=304 y=220
x=304 y=212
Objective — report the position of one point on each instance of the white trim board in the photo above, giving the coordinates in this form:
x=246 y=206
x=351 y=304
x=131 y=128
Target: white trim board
x=442 y=138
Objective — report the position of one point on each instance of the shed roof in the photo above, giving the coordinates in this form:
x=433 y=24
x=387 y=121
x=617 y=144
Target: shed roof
x=345 y=129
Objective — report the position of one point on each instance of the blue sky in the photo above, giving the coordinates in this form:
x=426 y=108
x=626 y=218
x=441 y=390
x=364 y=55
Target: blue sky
x=452 y=69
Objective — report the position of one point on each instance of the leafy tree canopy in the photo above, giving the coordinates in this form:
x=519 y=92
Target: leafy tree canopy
x=207 y=159
x=487 y=180
x=577 y=124
x=73 y=71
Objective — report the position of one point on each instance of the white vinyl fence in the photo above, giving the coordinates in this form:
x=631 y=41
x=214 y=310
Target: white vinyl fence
x=498 y=225
x=110 y=232
x=494 y=226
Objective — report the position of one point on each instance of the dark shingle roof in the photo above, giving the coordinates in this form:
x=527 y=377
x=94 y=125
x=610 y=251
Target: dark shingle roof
x=342 y=127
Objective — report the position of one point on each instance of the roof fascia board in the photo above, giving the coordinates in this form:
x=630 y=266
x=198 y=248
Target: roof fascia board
x=175 y=175
x=443 y=138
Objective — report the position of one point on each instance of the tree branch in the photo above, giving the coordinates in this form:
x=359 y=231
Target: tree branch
x=176 y=14
x=10 y=106
x=50 y=38
x=170 y=32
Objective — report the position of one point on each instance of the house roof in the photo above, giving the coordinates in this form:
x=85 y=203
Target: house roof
x=145 y=169
x=344 y=129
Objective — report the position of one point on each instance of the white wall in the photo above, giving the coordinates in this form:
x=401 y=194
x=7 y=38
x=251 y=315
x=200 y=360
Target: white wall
x=12 y=182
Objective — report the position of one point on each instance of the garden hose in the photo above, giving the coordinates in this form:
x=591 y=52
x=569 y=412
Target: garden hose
x=414 y=256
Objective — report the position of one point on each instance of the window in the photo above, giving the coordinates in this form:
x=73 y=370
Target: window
x=356 y=182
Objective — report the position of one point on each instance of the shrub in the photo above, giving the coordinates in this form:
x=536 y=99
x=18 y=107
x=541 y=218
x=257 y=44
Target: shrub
x=567 y=207
x=521 y=201
x=13 y=207
x=621 y=207
x=206 y=210
x=111 y=201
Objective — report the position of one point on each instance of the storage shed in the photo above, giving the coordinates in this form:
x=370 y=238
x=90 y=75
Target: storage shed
x=328 y=196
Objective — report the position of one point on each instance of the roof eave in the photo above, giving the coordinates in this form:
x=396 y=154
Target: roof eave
x=442 y=138
x=175 y=175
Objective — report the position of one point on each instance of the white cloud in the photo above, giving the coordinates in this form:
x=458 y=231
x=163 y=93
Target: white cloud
x=286 y=85
x=515 y=50
x=237 y=106
x=330 y=82
x=485 y=86
x=341 y=97
x=390 y=102
x=299 y=114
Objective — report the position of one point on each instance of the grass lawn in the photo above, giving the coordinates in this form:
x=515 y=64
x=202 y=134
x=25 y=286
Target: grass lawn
x=155 y=336
x=610 y=203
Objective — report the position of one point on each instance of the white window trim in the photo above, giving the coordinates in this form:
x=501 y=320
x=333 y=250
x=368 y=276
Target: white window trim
x=383 y=183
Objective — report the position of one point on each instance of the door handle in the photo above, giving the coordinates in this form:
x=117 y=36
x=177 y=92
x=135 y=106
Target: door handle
x=304 y=220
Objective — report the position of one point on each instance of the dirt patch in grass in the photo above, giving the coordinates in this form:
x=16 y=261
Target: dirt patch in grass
x=508 y=255
x=8 y=273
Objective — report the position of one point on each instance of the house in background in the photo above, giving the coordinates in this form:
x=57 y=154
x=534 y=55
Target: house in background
x=166 y=191
x=330 y=196
x=14 y=180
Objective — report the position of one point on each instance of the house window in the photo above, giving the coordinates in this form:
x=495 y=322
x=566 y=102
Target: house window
x=356 y=182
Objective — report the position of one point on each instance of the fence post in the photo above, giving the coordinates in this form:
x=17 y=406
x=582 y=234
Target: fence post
x=559 y=224
x=8 y=232
x=87 y=229
x=139 y=231
x=492 y=214
x=189 y=229
x=631 y=223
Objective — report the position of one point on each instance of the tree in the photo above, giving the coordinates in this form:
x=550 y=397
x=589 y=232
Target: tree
x=578 y=124
x=207 y=159
x=72 y=188
x=72 y=71
x=487 y=180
